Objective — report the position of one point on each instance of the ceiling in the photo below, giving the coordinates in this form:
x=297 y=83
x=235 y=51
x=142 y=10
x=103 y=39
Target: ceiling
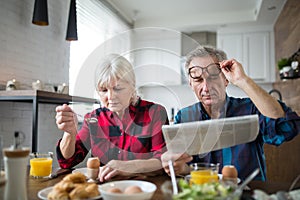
x=198 y=15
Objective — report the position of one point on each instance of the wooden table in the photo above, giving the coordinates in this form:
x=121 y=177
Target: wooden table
x=36 y=97
x=35 y=185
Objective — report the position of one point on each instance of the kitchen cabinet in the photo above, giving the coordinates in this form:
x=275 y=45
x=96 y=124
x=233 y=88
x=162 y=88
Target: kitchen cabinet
x=253 y=50
x=156 y=57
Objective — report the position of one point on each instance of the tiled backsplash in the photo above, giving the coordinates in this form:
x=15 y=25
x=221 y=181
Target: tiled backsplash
x=16 y=116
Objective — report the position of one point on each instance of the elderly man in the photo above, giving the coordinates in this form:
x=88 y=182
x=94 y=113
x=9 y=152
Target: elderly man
x=209 y=74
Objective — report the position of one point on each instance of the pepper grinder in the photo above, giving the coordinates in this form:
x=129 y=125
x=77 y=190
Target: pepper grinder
x=15 y=165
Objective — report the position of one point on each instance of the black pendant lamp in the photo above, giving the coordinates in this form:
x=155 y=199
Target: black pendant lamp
x=40 y=13
x=72 y=22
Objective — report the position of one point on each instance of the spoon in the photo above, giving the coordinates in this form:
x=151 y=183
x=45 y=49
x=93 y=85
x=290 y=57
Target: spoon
x=90 y=120
x=173 y=178
x=247 y=180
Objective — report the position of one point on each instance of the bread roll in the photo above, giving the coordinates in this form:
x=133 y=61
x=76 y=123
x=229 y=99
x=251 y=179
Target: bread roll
x=75 y=178
x=79 y=192
x=73 y=186
x=65 y=186
x=58 y=195
x=92 y=189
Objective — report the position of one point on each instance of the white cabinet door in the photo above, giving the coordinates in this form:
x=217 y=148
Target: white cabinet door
x=257 y=55
x=156 y=58
x=232 y=44
x=252 y=49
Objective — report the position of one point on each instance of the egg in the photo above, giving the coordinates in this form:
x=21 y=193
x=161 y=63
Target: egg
x=114 y=190
x=133 y=189
x=229 y=173
x=93 y=162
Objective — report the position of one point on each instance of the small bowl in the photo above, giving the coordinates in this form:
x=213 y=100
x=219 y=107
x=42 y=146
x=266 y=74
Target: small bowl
x=147 y=188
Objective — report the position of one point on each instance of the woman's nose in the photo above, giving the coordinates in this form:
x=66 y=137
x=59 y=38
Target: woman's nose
x=110 y=94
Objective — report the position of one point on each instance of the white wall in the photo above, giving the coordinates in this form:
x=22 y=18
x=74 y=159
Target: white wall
x=29 y=52
x=175 y=97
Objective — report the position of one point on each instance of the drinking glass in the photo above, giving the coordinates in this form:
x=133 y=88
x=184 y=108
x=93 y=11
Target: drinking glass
x=41 y=164
x=204 y=173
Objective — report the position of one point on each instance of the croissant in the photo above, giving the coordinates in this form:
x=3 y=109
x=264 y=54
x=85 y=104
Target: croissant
x=75 y=178
x=74 y=187
x=58 y=195
x=79 y=193
x=66 y=186
x=92 y=190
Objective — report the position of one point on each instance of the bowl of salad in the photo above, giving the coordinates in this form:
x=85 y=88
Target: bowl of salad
x=206 y=191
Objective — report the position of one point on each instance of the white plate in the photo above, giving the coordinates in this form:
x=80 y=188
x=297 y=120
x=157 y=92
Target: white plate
x=81 y=170
x=84 y=171
x=187 y=177
x=42 y=194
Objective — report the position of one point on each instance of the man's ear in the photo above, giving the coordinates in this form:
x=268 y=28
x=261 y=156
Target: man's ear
x=190 y=83
x=226 y=82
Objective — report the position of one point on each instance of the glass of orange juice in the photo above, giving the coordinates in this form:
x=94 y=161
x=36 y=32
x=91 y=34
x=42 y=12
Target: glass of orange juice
x=204 y=173
x=41 y=164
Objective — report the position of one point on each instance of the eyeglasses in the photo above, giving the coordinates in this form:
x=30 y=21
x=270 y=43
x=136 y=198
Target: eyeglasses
x=212 y=69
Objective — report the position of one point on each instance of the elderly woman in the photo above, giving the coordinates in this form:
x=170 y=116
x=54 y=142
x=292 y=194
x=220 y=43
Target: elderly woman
x=127 y=135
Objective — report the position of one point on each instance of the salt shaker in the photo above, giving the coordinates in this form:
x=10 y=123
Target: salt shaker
x=15 y=165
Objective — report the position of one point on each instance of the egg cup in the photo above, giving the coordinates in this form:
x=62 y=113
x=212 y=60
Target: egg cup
x=92 y=173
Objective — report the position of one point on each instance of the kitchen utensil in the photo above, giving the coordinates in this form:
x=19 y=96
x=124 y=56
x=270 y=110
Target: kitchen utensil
x=240 y=188
x=173 y=177
x=91 y=120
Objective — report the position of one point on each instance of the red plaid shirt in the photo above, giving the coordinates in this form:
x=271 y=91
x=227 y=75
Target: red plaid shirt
x=137 y=136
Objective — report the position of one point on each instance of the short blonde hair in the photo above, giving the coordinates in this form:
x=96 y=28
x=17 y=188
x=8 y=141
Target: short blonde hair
x=115 y=67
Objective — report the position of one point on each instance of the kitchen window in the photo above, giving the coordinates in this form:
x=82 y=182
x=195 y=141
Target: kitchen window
x=96 y=23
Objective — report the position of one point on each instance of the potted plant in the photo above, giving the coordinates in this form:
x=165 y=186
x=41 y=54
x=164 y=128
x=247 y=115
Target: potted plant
x=284 y=67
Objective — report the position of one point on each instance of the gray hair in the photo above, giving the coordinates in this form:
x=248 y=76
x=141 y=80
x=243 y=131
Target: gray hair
x=204 y=51
x=114 y=67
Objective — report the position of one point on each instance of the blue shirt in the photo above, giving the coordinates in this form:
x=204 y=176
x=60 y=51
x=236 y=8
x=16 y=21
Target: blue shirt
x=245 y=157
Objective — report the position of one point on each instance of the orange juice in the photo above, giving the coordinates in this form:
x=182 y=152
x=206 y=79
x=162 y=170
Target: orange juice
x=203 y=176
x=40 y=167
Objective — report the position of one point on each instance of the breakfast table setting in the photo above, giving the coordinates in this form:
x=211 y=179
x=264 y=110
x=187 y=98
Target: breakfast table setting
x=30 y=176
x=36 y=185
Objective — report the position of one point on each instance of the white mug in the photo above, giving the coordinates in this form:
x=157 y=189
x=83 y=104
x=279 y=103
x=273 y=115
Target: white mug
x=38 y=85
x=11 y=85
x=64 y=89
